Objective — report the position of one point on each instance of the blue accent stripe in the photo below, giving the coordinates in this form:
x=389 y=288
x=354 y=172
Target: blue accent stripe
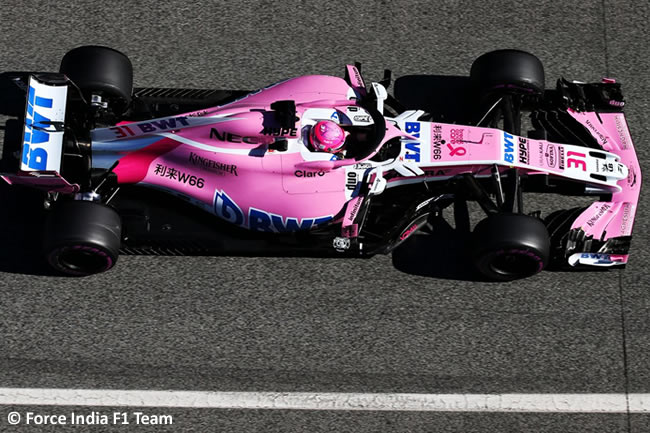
x=44 y=102
x=124 y=144
x=105 y=160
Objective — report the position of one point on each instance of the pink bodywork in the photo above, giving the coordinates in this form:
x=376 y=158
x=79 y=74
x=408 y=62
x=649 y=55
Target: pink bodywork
x=605 y=220
x=444 y=150
x=219 y=158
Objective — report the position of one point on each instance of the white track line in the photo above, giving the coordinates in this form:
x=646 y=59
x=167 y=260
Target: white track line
x=547 y=403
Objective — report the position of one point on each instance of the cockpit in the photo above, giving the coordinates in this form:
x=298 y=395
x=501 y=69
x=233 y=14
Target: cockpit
x=364 y=129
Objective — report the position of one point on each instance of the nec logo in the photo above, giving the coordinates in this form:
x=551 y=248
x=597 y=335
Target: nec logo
x=413 y=147
x=35 y=157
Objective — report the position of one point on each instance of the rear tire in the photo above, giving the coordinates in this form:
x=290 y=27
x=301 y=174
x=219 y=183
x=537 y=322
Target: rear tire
x=507 y=247
x=102 y=71
x=508 y=70
x=82 y=237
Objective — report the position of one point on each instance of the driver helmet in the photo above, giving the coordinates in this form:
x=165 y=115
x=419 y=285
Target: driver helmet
x=327 y=136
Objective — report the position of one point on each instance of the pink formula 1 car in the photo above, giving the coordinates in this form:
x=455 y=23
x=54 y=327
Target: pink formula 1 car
x=119 y=168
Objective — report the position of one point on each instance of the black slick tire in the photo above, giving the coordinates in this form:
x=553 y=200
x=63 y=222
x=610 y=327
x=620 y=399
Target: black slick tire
x=103 y=71
x=508 y=70
x=82 y=237
x=507 y=247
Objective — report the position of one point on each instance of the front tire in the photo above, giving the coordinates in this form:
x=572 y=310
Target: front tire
x=508 y=70
x=82 y=237
x=507 y=247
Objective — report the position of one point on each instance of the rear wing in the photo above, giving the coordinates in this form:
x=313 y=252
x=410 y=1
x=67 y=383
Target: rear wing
x=50 y=181
x=601 y=234
x=42 y=138
x=43 y=131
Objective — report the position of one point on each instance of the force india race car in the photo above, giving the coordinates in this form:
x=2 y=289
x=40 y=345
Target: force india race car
x=119 y=167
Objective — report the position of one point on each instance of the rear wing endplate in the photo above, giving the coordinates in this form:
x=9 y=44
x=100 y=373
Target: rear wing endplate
x=44 y=125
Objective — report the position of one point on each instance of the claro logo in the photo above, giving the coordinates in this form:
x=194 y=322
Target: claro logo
x=304 y=173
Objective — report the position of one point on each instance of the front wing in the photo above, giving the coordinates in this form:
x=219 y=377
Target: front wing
x=600 y=235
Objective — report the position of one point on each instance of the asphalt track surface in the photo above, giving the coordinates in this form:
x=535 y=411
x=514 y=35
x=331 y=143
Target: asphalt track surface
x=327 y=325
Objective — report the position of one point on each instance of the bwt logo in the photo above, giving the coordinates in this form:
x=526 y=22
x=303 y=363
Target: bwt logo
x=35 y=157
x=260 y=220
x=413 y=147
x=508 y=148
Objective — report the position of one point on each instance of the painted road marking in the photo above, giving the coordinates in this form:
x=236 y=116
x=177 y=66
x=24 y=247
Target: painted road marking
x=551 y=403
